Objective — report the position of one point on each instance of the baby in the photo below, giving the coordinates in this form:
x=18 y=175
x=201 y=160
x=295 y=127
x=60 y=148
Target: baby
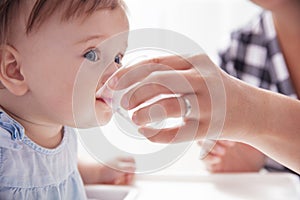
x=43 y=46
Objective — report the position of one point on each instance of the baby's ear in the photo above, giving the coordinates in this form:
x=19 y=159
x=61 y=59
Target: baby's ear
x=11 y=76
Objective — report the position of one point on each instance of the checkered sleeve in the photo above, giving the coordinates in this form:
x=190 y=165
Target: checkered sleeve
x=227 y=60
x=246 y=60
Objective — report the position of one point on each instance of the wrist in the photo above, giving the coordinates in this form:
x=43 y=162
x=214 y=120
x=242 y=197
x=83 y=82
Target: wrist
x=245 y=110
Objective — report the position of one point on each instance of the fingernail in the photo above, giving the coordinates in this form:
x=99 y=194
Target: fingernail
x=113 y=82
x=134 y=119
x=125 y=103
x=118 y=181
x=203 y=154
x=216 y=160
x=230 y=143
x=219 y=150
x=141 y=131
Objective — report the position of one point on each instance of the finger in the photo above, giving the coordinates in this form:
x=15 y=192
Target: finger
x=217 y=147
x=137 y=96
x=141 y=70
x=120 y=180
x=219 y=150
x=214 y=168
x=174 y=61
x=206 y=141
x=126 y=159
x=188 y=132
x=227 y=143
x=211 y=159
x=126 y=167
x=206 y=146
x=124 y=178
x=129 y=178
x=129 y=76
x=163 y=83
x=224 y=143
x=168 y=108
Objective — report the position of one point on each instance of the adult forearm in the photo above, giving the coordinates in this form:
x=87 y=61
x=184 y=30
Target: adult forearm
x=280 y=139
x=269 y=122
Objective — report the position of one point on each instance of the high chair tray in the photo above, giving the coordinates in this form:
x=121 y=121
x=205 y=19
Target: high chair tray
x=109 y=192
x=252 y=186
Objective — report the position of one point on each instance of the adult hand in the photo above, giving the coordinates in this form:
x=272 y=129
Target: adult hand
x=176 y=75
x=122 y=172
x=227 y=156
x=123 y=176
x=249 y=111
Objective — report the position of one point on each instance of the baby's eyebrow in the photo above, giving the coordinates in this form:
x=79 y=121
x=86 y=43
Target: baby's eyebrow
x=93 y=37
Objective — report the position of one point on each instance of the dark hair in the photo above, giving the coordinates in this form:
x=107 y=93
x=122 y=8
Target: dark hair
x=43 y=9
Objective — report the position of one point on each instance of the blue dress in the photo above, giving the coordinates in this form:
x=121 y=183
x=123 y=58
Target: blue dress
x=29 y=171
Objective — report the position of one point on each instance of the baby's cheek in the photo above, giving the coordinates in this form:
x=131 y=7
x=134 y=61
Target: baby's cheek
x=103 y=113
x=65 y=109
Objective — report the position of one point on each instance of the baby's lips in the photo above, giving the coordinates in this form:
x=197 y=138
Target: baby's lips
x=105 y=94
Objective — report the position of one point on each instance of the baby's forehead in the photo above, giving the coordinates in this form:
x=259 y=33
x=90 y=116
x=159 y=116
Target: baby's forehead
x=41 y=10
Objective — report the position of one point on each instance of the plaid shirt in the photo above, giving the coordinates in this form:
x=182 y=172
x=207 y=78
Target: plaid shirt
x=254 y=56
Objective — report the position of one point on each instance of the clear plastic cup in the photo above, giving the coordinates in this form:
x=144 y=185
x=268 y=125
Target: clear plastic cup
x=122 y=118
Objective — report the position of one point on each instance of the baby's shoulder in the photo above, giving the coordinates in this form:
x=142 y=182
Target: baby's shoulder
x=6 y=142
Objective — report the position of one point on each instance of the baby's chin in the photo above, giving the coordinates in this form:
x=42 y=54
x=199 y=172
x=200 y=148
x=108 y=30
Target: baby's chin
x=101 y=120
x=100 y=115
x=103 y=113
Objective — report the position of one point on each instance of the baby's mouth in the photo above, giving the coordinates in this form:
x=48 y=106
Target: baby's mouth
x=100 y=99
x=104 y=95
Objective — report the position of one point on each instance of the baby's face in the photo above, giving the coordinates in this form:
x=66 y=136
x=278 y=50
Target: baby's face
x=64 y=66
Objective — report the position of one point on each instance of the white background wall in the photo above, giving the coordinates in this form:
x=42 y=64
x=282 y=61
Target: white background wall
x=207 y=22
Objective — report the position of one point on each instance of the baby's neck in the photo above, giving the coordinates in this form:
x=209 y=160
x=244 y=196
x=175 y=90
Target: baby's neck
x=47 y=136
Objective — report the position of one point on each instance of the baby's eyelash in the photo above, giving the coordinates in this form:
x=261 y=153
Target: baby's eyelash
x=92 y=55
x=118 y=59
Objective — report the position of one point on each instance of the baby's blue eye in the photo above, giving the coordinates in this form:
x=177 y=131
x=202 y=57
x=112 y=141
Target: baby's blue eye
x=118 y=59
x=91 y=55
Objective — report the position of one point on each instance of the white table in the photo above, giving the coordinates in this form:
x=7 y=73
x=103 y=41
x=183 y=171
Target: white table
x=230 y=186
x=207 y=187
